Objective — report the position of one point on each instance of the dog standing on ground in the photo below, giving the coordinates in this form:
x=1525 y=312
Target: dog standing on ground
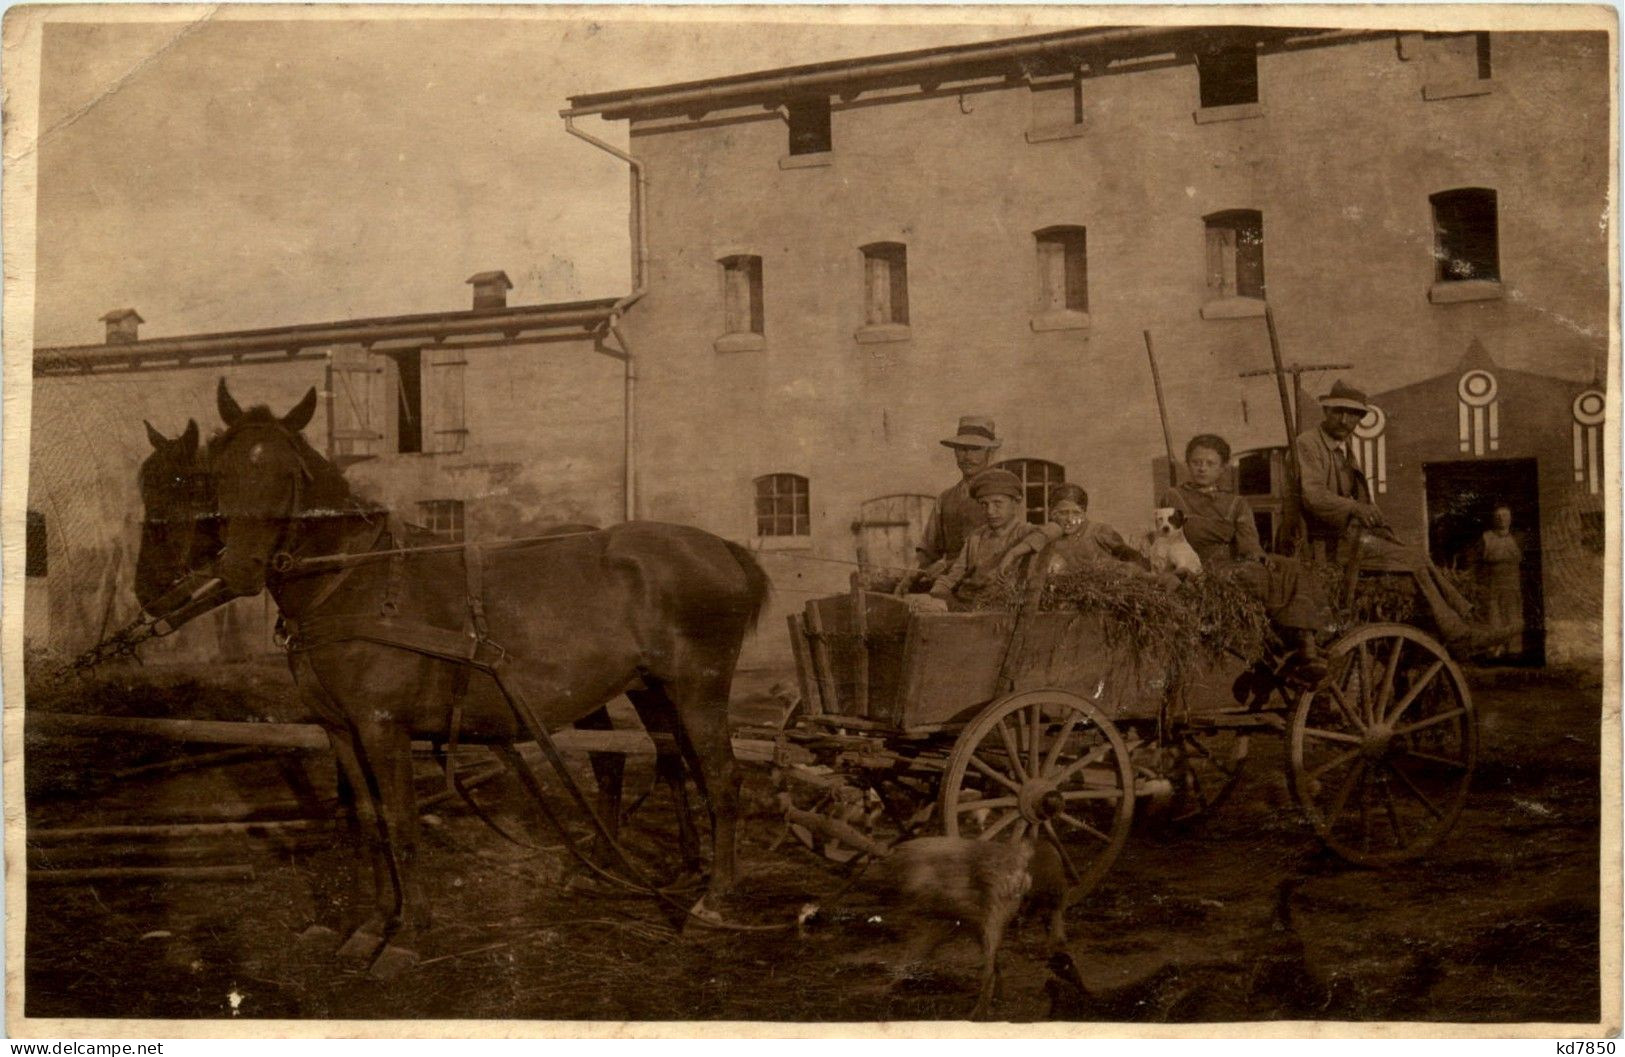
x=942 y=882
x=1167 y=549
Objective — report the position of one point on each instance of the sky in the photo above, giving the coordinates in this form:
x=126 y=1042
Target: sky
x=232 y=173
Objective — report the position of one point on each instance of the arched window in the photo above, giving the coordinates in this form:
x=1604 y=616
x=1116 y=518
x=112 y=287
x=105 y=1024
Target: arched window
x=1466 y=242
x=782 y=507
x=1063 y=269
x=1235 y=253
x=1038 y=479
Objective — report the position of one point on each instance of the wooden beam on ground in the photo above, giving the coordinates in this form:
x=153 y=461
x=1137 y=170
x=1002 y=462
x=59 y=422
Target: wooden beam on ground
x=235 y=872
x=177 y=830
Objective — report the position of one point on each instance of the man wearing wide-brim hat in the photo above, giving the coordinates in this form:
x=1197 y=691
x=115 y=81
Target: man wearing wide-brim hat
x=1337 y=506
x=975 y=571
x=957 y=515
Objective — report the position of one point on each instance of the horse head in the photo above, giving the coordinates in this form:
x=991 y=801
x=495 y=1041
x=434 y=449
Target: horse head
x=179 y=530
x=265 y=476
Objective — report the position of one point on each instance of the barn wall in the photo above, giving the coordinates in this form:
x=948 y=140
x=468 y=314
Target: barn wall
x=1341 y=165
x=543 y=446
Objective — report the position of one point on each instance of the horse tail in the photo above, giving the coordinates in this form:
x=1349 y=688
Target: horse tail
x=758 y=587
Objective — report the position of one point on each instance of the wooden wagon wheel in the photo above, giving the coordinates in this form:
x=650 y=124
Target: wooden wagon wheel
x=1381 y=755
x=1048 y=764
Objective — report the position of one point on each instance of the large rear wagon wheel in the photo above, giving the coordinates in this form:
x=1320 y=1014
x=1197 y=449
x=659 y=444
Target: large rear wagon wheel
x=1046 y=764
x=1382 y=754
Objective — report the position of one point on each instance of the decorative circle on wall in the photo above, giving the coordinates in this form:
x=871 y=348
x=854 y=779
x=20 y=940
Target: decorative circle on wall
x=1372 y=425
x=1477 y=388
x=1590 y=407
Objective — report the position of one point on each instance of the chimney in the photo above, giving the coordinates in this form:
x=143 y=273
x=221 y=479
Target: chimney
x=121 y=325
x=490 y=289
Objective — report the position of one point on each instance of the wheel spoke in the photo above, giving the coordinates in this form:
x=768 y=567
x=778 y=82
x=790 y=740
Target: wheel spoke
x=1021 y=830
x=1443 y=761
x=1431 y=721
x=1094 y=755
x=1330 y=735
x=1012 y=750
x=1113 y=793
x=1035 y=753
x=1393 y=814
x=985 y=805
x=1342 y=798
x=1415 y=790
x=1379 y=704
x=1059 y=745
x=1365 y=679
x=1335 y=762
x=1073 y=874
x=1342 y=704
x=987 y=769
x=1000 y=826
x=1416 y=689
x=1078 y=823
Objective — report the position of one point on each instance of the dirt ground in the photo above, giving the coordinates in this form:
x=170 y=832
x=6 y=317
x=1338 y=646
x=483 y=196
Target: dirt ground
x=1498 y=924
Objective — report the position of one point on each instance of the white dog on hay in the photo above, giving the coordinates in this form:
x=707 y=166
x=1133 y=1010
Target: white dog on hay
x=1167 y=549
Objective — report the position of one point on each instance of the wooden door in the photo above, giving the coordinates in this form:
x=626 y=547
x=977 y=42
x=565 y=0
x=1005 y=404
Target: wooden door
x=889 y=528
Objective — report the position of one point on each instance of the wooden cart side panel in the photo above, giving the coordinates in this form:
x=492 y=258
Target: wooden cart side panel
x=811 y=696
x=951 y=667
x=823 y=670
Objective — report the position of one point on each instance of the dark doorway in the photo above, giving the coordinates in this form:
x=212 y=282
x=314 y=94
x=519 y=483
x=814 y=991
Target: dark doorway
x=1461 y=502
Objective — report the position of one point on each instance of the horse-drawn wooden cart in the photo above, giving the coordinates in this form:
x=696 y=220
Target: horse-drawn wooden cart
x=1007 y=724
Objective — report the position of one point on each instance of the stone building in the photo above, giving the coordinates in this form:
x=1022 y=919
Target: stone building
x=845 y=257
x=833 y=262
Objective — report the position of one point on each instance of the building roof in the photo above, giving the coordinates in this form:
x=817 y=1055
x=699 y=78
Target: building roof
x=944 y=63
x=307 y=340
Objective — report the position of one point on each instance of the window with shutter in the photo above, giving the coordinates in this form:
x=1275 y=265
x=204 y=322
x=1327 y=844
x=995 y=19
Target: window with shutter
x=1235 y=253
x=445 y=427
x=354 y=385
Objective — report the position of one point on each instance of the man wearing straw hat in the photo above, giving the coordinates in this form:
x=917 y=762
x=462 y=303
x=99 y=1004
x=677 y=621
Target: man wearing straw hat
x=1336 y=496
x=957 y=515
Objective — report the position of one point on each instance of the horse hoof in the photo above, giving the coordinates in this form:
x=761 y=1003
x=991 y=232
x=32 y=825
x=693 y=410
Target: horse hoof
x=318 y=938
x=391 y=962
x=360 y=946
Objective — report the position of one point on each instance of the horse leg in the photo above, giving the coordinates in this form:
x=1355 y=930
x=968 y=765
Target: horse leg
x=366 y=829
x=658 y=718
x=608 y=772
x=385 y=750
x=701 y=706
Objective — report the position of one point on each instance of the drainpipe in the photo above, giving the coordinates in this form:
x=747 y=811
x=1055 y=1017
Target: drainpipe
x=640 y=286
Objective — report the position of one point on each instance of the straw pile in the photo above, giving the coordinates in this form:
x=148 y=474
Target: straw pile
x=1171 y=628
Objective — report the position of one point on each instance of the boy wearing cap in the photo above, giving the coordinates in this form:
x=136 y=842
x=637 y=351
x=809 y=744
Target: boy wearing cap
x=957 y=514
x=975 y=570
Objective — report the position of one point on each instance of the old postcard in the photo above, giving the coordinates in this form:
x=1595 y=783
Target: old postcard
x=569 y=520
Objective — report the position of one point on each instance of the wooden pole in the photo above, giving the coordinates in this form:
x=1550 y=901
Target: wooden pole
x=235 y=872
x=173 y=831
x=1162 y=412
x=1292 y=503
x=860 y=632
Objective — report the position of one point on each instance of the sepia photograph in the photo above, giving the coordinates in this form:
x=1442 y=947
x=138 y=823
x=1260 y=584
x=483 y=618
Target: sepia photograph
x=1095 y=519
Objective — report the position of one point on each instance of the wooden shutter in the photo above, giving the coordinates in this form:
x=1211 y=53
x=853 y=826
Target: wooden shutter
x=1077 y=272
x=1221 y=260
x=444 y=426
x=355 y=405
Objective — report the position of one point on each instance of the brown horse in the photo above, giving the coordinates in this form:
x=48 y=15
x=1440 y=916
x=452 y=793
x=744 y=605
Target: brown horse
x=657 y=612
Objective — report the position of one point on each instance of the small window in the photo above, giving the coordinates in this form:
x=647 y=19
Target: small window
x=885 y=266
x=1228 y=76
x=1253 y=474
x=1456 y=56
x=782 y=507
x=1465 y=244
x=1235 y=253
x=1038 y=479
x=742 y=294
x=809 y=125
x=443 y=519
x=1063 y=270
x=35 y=562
